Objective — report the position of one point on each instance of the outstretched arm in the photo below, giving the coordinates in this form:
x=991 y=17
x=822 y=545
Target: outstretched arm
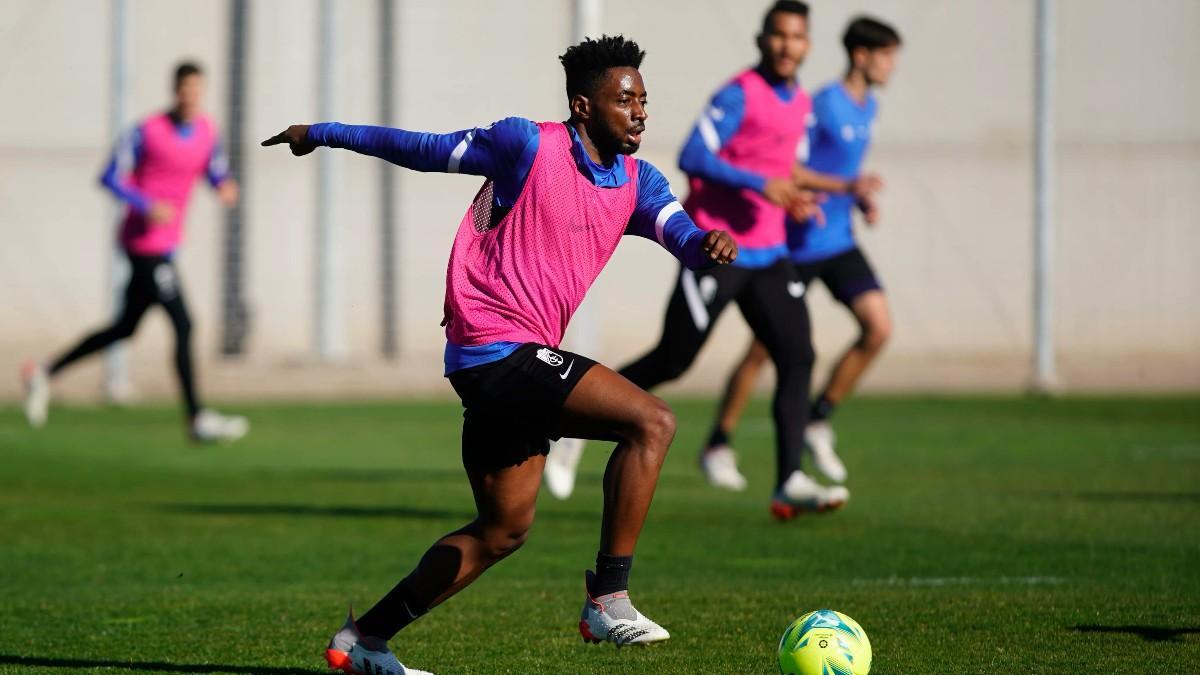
x=494 y=151
x=659 y=217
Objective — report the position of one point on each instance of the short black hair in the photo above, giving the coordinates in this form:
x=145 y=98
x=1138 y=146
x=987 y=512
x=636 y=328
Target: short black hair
x=786 y=6
x=586 y=62
x=866 y=32
x=186 y=69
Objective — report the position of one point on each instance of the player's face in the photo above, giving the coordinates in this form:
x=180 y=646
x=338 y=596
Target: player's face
x=879 y=64
x=189 y=93
x=619 y=111
x=785 y=44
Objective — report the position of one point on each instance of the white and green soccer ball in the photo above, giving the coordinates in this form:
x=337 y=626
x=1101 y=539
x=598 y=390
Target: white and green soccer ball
x=824 y=642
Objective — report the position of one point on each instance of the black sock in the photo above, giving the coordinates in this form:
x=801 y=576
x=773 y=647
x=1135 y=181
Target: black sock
x=393 y=612
x=718 y=437
x=612 y=574
x=822 y=409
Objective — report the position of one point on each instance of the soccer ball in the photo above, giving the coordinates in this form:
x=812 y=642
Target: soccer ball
x=824 y=642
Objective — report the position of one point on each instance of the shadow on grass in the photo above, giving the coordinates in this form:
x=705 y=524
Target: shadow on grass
x=1136 y=497
x=409 y=512
x=1148 y=633
x=151 y=666
x=423 y=476
x=310 y=510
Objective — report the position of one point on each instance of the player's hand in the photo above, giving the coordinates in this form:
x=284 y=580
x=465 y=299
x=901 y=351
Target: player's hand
x=227 y=192
x=160 y=213
x=870 y=210
x=807 y=205
x=720 y=247
x=296 y=136
x=866 y=185
x=780 y=191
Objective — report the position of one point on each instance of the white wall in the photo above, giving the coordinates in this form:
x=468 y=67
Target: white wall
x=953 y=145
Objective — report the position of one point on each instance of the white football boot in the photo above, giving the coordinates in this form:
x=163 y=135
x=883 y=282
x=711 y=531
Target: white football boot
x=351 y=652
x=820 y=440
x=561 y=465
x=210 y=426
x=37 y=393
x=719 y=464
x=613 y=618
x=801 y=494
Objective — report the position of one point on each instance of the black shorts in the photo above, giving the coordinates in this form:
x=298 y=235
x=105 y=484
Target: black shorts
x=513 y=407
x=846 y=275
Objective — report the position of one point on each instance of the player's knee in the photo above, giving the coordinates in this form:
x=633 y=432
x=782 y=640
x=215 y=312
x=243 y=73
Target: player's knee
x=656 y=427
x=876 y=334
x=798 y=359
x=124 y=330
x=756 y=358
x=503 y=537
x=671 y=363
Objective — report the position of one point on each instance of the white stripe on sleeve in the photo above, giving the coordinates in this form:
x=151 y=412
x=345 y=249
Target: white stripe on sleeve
x=459 y=151
x=661 y=221
x=708 y=133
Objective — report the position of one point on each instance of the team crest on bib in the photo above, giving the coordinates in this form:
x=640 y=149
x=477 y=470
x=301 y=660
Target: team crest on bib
x=552 y=358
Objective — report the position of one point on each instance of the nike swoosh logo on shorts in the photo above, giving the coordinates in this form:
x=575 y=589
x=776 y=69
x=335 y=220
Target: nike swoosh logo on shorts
x=567 y=372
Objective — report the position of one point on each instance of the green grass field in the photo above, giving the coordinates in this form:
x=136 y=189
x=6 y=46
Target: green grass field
x=983 y=536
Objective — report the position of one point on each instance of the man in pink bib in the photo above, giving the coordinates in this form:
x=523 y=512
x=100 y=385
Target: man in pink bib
x=557 y=200
x=152 y=171
x=743 y=176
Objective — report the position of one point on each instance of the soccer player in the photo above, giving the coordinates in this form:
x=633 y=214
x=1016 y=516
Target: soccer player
x=743 y=176
x=153 y=171
x=557 y=200
x=827 y=250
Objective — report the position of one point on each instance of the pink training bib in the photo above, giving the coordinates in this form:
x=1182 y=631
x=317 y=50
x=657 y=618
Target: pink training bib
x=518 y=277
x=765 y=144
x=167 y=171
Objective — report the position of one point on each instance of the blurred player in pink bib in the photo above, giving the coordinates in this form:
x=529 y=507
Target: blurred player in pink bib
x=152 y=171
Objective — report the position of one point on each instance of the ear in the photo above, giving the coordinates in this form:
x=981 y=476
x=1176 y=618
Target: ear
x=581 y=107
x=859 y=57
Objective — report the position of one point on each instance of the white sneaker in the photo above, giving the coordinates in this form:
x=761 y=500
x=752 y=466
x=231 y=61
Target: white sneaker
x=719 y=464
x=37 y=393
x=613 y=618
x=820 y=439
x=210 y=426
x=561 y=465
x=350 y=652
x=801 y=494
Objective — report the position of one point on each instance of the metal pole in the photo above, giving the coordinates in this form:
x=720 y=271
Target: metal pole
x=116 y=357
x=327 y=345
x=235 y=317
x=1044 y=377
x=388 y=342
x=586 y=22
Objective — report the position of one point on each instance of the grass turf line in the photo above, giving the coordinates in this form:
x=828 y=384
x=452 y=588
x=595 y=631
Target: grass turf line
x=984 y=535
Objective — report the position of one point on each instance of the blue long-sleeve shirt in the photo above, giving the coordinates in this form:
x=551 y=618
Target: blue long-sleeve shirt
x=504 y=152
x=838 y=143
x=715 y=126
x=700 y=156
x=128 y=154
